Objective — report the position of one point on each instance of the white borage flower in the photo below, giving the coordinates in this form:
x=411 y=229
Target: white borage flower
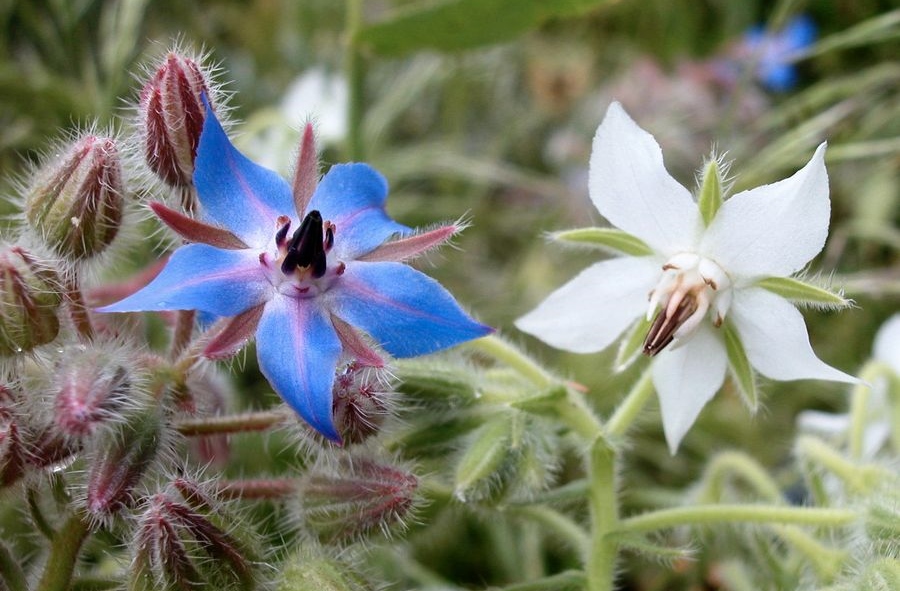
x=879 y=415
x=718 y=275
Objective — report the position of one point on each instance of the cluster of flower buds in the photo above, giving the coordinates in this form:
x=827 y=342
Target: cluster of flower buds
x=75 y=201
x=354 y=497
x=180 y=543
x=30 y=294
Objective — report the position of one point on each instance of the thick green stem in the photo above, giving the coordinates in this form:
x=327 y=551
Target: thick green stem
x=601 y=563
x=871 y=373
x=570 y=579
x=64 y=553
x=826 y=561
x=356 y=77
x=858 y=478
x=562 y=525
x=514 y=358
x=634 y=402
x=253 y=421
x=741 y=465
x=715 y=514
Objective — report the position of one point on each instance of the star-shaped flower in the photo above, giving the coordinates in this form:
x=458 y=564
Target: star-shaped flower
x=305 y=268
x=715 y=271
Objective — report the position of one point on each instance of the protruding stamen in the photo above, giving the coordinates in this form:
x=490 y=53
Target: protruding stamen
x=285 y=224
x=306 y=248
x=669 y=320
x=329 y=236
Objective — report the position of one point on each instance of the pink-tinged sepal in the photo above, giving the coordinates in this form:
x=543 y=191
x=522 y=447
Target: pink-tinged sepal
x=306 y=174
x=194 y=230
x=355 y=345
x=403 y=249
x=233 y=334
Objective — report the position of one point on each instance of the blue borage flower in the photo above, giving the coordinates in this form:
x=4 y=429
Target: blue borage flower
x=774 y=51
x=304 y=268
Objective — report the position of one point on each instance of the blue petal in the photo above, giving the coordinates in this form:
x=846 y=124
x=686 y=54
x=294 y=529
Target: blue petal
x=205 y=278
x=407 y=312
x=352 y=196
x=235 y=192
x=800 y=33
x=298 y=351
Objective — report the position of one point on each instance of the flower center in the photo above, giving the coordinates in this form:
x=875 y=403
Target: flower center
x=690 y=287
x=301 y=265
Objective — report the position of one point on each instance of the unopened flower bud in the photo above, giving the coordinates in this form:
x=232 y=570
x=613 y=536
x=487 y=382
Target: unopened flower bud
x=90 y=390
x=359 y=403
x=882 y=519
x=170 y=537
x=123 y=458
x=171 y=118
x=310 y=569
x=29 y=299
x=75 y=201
x=356 y=497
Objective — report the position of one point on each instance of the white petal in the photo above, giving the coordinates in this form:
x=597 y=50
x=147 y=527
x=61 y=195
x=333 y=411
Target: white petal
x=887 y=343
x=588 y=313
x=773 y=230
x=632 y=189
x=775 y=338
x=823 y=423
x=686 y=378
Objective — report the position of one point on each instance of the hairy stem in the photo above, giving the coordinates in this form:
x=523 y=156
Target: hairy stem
x=511 y=356
x=629 y=409
x=271 y=488
x=64 y=553
x=562 y=525
x=12 y=576
x=181 y=336
x=78 y=310
x=251 y=421
x=356 y=77
x=601 y=563
x=714 y=514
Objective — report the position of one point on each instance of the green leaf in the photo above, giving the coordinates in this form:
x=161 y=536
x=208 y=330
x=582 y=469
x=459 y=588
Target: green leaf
x=710 y=199
x=740 y=367
x=457 y=25
x=489 y=458
x=801 y=292
x=545 y=403
x=632 y=345
x=606 y=239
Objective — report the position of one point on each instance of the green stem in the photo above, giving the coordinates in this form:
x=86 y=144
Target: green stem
x=601 y=563
x=859 y=405
x=857 y=477
x=356 y=77
x=513 y=357
x=253 y=421
x=64 y=553
x=181 y=336
x=562 y=525
x=827 y=561
x=570 y=579
x=575 y=412
x=37 y=515
x=12 y=576
x=634 y=402
x=714 y=514
x=742 y=465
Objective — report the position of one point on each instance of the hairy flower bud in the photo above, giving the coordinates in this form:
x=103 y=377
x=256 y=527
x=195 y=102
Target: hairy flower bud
x=310 y=569
x=29 y=299
x=12 y=452
x=359 y=404
x=122 y=460
x=75 y=201
x=357 y=497
x=90 y=390
x=171 y=538
x=171 y=118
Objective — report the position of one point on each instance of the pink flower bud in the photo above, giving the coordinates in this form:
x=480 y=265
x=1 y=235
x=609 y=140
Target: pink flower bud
x=29 y=299
x=122 y=460
x=171 y=117
x=358 y=497
x=179 y=546
x=359 y=403
x=75 y=201
x=12 y=452
x=90 y=390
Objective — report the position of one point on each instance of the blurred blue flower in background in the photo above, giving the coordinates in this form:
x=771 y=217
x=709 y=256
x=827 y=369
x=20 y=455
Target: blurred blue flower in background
x=773 y=52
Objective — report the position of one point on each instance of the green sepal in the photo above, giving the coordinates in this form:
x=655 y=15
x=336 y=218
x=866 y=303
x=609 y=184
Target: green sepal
x=484 y=468
x=740 y=368
x=544 y=404
x=801 y=292
x=610 y=239
x=311 y=570
x=435 y=386
x=632 y=345
x=711 y=198
x=434 y=437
